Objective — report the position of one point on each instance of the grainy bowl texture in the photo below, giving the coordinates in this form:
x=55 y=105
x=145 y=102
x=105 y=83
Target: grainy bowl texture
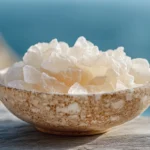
x=76 y=114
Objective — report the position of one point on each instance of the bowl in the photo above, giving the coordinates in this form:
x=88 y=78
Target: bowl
x=76 y=115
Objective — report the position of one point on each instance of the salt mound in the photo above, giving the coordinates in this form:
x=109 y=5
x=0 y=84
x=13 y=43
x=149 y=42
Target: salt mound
x=55 y=67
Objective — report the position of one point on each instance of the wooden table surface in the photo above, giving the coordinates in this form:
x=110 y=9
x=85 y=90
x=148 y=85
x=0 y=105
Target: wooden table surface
x=18 y=135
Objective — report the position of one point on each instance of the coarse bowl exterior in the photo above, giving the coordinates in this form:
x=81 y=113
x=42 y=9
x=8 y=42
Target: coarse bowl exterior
x=65 y=114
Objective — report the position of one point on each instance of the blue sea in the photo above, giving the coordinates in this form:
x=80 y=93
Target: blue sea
x=107 y=23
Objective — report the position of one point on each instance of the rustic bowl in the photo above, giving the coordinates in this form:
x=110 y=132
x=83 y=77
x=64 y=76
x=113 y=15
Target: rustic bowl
x=65 y=114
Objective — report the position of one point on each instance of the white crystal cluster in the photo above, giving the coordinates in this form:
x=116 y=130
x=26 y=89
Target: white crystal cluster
x=57 y=68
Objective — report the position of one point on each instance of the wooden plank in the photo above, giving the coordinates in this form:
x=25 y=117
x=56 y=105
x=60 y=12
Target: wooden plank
x=18 y=135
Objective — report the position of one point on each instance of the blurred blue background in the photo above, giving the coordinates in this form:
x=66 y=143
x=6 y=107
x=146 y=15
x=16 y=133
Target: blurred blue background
x=107 y=23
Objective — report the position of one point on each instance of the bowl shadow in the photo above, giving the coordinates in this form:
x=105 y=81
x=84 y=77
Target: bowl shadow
x=20 y=135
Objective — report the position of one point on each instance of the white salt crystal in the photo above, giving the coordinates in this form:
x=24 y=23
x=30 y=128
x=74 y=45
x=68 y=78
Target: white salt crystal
x=140 y=70
x=81 y=42
x=54 y=44
x=57 y=63
x=64 y=47
x=127 y=79
x=52 y=85
x=120 y=85
x=14 y=73
x=94 y=88
x=41 y=46
x=31 y=75
x=33 y=57
x=19 y=84
x=84 y=51
x=77 y=89
x=138 y=62
x=98 y=80
x=70 y=76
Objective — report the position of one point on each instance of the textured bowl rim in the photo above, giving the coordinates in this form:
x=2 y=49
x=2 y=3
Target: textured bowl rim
x=72 y=95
